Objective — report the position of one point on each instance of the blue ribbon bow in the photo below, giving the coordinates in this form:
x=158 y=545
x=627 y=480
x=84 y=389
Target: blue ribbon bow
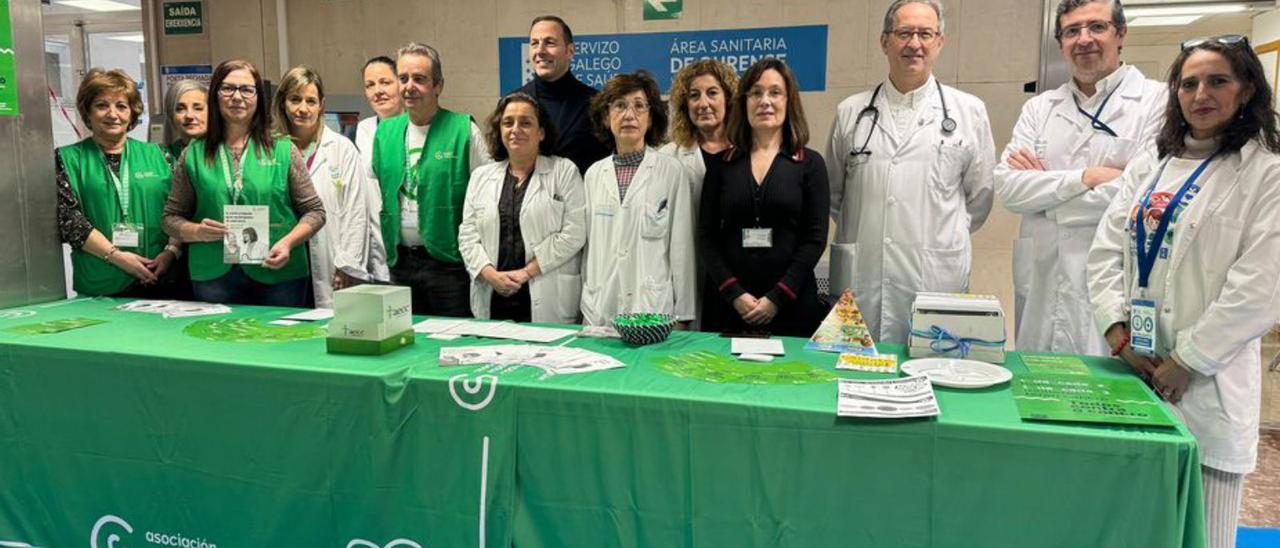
x=944 y=342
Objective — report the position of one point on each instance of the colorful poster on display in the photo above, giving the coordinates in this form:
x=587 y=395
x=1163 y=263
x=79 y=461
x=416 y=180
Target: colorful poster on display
x=1071 y=398
x=8 y=65
x=601 y=56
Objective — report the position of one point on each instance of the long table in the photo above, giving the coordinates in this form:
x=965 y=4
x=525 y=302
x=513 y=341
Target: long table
x=134 y=431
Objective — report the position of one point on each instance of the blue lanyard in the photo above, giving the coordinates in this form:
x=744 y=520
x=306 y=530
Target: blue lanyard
x=1147 y=253
x=1095 y=118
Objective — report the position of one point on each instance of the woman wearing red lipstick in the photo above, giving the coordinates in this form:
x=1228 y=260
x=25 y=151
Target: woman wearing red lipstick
x=1184 y=272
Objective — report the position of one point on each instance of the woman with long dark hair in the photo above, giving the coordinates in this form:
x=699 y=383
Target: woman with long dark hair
x=763 y=217
x=236 y=164
x=1184 y=273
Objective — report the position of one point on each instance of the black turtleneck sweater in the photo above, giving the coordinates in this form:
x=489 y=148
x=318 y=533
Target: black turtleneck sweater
x=568 y=101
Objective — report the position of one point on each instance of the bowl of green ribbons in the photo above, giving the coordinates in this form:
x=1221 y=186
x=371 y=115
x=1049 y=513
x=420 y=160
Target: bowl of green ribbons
x=643 y=328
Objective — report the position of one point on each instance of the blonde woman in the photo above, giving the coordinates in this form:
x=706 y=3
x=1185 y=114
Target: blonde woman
x=340 y=251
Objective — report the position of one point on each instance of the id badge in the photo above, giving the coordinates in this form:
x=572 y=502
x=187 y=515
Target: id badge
x=1143 y=319
x=409 y=215
x=126 y=234
x=757 y=237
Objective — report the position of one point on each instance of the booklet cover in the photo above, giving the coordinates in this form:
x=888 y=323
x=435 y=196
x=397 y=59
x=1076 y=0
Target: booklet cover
x=1072 y=398
x=844 y=330
x=248 y=236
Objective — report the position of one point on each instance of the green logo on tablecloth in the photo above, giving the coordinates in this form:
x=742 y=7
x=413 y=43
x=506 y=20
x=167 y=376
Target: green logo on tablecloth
x=662 y=9
x=183 y=18
x=8 y=65
x=717 y=368
x=251 y=330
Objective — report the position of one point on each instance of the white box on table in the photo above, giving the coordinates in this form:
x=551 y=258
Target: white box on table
x=964 y=316
x=371 y=312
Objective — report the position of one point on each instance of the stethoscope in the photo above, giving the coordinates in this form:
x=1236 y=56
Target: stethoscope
x=948 y=123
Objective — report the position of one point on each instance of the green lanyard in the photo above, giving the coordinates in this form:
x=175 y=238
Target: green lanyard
x=413 y=174
x=236 y=186
x=123 y=189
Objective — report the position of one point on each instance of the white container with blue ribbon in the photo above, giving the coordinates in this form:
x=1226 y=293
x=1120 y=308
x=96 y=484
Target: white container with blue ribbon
x=957 y=325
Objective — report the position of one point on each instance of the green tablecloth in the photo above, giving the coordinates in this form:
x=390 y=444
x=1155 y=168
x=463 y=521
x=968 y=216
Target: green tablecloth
x=134 y=429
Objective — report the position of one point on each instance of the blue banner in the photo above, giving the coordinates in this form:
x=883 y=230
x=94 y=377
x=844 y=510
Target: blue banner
x=600 y=56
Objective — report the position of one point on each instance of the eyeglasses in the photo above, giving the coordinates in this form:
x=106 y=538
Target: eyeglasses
x=1225 y=39
x=228 y=90
x=904 y=35
x=621 y=106
x=1095 y=28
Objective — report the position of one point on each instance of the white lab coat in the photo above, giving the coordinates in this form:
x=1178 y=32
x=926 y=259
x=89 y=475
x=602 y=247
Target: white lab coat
x=1059 y=214
x=347 y=241
x=552 y=223
x=904 y=214
x=365 y=131
x=640 y=252
x=1221 y=293
x=691 y=159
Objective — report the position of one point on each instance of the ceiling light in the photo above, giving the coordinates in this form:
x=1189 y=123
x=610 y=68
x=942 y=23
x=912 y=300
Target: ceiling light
x=134 y=37
x=98 y=5
x=1163 y=21
x=1192 y=9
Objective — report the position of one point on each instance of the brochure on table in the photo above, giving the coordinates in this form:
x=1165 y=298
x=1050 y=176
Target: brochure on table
x=1073 y=398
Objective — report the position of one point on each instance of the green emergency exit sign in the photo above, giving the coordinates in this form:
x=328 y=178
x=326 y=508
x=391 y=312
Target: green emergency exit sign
x=183 y=18
x=662 y=9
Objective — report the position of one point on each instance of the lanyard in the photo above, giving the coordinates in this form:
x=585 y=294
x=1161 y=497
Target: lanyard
x=311 y=151
x=123 y=190
x=413 y=173
x=236 y=188
x=1147 y=253
x=1095 y=119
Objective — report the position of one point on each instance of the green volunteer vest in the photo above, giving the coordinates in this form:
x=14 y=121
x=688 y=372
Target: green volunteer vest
x=266 y=182
x=149 y=178
x=441 y=174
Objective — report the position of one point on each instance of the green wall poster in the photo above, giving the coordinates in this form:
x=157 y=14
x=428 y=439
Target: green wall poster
x=8 y=65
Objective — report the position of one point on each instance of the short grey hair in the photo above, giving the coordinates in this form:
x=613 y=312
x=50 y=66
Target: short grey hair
x=892 y=12
x=171 y=97
x=415 y=48
x=1068 y=6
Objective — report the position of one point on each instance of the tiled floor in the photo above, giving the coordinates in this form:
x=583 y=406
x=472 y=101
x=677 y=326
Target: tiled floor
x=1262 y=488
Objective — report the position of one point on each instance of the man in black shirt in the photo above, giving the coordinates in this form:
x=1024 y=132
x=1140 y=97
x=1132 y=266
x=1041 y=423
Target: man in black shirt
x=566 y=99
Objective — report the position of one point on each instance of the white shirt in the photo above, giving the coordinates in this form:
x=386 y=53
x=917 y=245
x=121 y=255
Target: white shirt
x=415 y=140
x=905 y=107
x=1059 y=213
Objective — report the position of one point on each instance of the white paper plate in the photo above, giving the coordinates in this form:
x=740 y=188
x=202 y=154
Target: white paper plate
x=954 y=373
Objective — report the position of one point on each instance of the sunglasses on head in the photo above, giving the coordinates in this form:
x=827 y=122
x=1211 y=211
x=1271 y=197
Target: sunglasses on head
x=1225 y=39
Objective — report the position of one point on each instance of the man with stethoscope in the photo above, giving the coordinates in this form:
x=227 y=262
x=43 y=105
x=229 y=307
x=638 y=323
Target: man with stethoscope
x=1069 y=144
x=910 y=172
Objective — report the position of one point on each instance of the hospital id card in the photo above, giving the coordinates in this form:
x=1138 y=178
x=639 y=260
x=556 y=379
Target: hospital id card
x=1143 y=319
x=126 y=234
x=757 y=237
